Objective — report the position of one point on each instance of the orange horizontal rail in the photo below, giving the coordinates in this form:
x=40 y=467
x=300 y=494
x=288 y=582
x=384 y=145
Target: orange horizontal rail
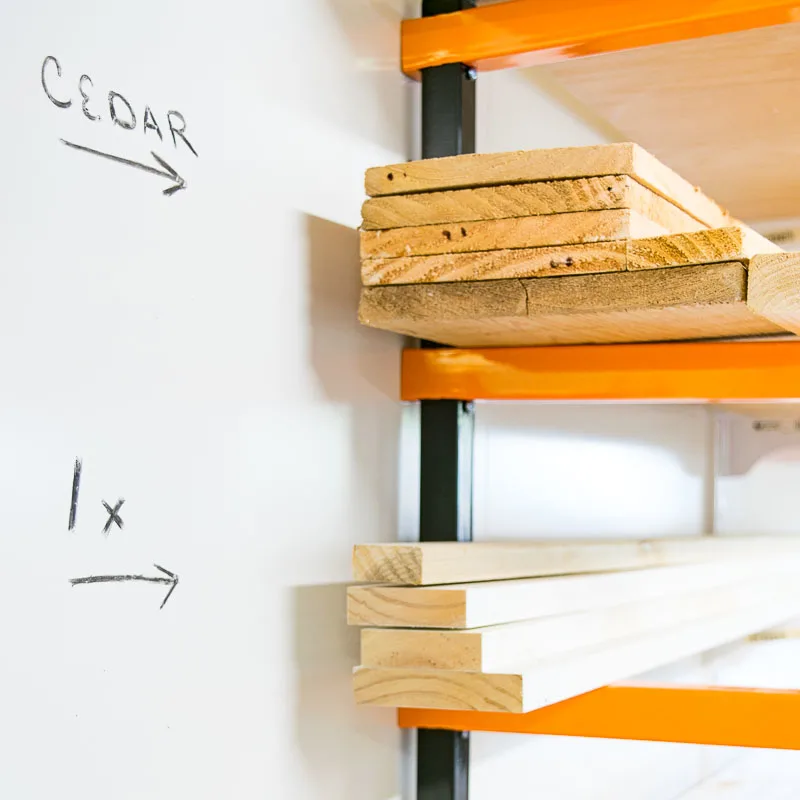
x=689 y=371
x=691 y=714
x=528 y=32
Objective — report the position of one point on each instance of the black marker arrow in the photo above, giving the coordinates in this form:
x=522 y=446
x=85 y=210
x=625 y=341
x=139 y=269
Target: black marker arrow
x=166 y=172
x=171 y=580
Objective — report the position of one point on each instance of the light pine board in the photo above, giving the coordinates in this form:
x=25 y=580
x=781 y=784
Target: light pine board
x=485 y=603
x=525 y=200
x=424 y=564
x=683 y=249
x=492 y=169
x=551 y=680
x=496 y=234
x=500 y=647
x=774 y=289
x=698 y=302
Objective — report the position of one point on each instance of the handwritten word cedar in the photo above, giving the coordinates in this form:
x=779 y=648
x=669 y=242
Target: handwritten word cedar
x=121 y=112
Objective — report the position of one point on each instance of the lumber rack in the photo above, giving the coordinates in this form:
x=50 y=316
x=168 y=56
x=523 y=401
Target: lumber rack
x=446 y=48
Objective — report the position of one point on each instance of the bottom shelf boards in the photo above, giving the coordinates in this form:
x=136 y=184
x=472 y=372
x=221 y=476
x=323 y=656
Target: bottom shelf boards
x=729 y=299
x=555 y=679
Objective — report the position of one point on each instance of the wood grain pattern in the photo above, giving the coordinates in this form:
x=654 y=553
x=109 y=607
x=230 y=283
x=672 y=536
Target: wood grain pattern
x=473 y=605
x=774 y=289
x=458 y=562
x=525 y=200
x=499 y=648
x=745 y=161
x=699 y=302
x=699 y=247
x=495 y=264
x=492 y=169
x=551 y=680
x=498 y=234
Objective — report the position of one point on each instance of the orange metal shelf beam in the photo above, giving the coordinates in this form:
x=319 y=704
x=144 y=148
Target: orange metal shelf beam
x=696 y=371
x=692 y=714
x=527 y=32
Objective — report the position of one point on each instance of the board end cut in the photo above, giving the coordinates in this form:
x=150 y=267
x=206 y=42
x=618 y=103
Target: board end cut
x=398 y=564
x=774 y=289
x=392 y=606
x=467 y=691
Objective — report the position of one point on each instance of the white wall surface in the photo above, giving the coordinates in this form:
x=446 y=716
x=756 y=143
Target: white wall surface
x=200 y=353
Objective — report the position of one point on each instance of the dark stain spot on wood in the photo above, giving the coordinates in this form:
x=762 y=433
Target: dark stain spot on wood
x=390 y=176
x=569 y=261
x=463 y=231
x=447 y=235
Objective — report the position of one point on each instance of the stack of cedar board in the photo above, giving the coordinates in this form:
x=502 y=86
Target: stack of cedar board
x=574 y=245
x=515 y=627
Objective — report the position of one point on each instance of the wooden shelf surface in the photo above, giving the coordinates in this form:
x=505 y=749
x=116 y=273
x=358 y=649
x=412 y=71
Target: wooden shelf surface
x=686 y=371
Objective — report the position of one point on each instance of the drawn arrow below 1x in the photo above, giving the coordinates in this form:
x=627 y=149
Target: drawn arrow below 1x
x=166 y=170
x=171 y=580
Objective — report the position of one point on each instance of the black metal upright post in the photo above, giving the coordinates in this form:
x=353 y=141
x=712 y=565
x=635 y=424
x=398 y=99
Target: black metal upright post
x=448 y=129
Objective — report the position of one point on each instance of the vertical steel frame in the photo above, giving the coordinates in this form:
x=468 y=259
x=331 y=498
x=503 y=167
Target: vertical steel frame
x=448 y=129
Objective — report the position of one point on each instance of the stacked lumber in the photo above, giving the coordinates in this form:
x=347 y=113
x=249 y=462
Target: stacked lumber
x=517 y=626
x=565 y=246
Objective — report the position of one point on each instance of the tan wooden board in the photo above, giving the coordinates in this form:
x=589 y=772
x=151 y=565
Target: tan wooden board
x=683 y=249
x=501 y=648
x=774 y=289
x=423 y=564
x=497 y=234
x=530 y=262
x=484 y=603
x=719 y=110
x=492 y=169
x=551 y=680
x=698 y=302
x=526 y=200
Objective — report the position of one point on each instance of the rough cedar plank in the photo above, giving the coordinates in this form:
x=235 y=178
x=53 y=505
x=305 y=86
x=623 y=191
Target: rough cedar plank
x=525 y=200
x=496 y=264
x=774 y=289
x=684 y=249
x=456 y=562
x=699 y=302
x=493 y=169
x=497 y=234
